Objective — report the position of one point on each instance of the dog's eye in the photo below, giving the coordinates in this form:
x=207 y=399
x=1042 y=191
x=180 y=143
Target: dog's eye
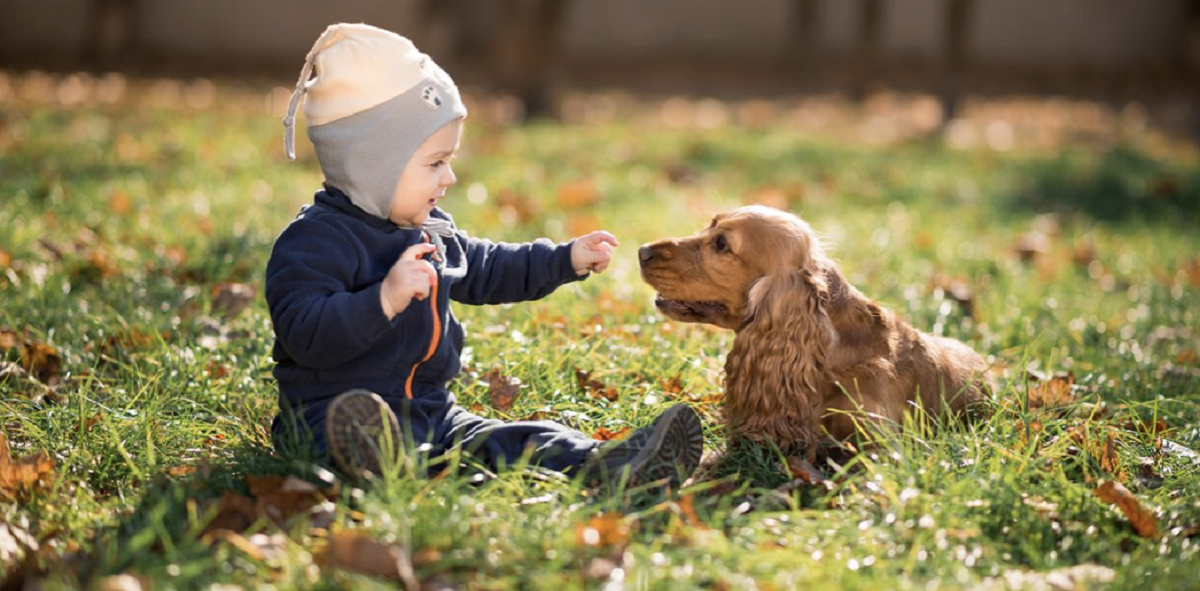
x=721 y=245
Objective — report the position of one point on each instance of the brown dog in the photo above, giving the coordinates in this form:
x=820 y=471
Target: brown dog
x=812 y=354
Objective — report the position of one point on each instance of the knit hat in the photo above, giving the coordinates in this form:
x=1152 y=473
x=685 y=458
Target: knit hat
x=374 y=99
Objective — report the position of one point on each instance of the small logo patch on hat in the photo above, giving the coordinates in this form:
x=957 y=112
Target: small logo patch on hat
x=432 y=97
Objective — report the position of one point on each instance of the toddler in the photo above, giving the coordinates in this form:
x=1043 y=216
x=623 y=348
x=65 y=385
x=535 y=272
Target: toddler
x=359 y=284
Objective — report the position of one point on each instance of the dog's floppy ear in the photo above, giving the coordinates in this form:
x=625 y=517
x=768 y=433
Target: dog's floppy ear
x=776 y=370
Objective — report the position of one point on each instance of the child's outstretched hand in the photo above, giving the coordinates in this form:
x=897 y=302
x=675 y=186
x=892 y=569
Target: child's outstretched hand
x=411 y=277
x=592 y=252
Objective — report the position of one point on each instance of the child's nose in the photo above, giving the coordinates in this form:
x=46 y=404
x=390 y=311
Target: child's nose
x=449 y=178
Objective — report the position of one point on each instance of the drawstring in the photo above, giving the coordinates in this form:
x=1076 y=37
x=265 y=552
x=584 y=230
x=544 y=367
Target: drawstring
x=289 y=120
x=438 y=226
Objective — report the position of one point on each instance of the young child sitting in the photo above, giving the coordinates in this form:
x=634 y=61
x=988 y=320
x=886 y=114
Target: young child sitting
x=359 y=284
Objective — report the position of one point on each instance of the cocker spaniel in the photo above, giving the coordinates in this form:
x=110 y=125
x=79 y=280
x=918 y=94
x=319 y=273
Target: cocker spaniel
x=812 y=355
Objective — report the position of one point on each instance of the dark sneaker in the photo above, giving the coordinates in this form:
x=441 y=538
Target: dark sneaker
x=667 y=449
x=359 y=429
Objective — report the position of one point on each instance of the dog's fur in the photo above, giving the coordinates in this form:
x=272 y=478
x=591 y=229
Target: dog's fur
x=812 y=355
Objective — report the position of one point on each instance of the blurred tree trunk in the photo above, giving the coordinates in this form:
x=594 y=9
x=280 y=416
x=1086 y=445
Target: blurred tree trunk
x=1189 y=58
x=113 y=34
x=799 y=57
x=870 y=26
x=955 y=34
x=528 y=51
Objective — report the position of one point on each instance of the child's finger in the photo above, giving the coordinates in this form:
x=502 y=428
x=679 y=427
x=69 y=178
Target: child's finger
x=601 y=237
x=429 y=272
x=416 y=251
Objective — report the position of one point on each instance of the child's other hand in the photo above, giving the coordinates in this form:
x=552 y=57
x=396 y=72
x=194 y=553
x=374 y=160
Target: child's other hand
x=411 y=277
x=593 y=252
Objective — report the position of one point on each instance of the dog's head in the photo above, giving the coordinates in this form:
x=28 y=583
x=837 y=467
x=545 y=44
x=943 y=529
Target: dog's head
x=710 y=276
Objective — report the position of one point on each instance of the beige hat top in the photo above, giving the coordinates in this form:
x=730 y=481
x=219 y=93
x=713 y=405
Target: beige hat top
x=373 y=100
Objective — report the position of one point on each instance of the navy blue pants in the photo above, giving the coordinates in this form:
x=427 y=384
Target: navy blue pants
x=436 y=420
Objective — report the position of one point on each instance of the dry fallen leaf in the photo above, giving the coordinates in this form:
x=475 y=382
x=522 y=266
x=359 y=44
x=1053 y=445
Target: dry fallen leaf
x=1144 y=522
x=120 y=203
x=582 y=223
x=8 y=339
x=502 y=390
x=1052 y=392
x=605 y=530
x=672 y=387
x=516 y=207
x=282 y=498
x=595 y=388
x=802 y=470
x=360 y=553
x=688 y=508
x=768 y=195
x=1031 y=246
x=603 y=434
x=19 y=477
x=236 y=512
x=42 y=362
x=229 y=299
x=578 y=194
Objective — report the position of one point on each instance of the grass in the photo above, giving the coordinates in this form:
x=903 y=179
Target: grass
x=136 y=225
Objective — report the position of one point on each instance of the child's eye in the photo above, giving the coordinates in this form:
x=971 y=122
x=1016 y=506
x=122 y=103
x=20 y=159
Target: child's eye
x=438 y=164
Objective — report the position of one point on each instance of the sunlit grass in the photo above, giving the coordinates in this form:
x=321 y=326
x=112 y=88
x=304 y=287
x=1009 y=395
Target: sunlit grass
x=127 y=223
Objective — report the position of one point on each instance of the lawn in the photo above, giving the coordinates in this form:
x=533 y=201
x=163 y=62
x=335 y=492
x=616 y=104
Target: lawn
x=136 y=393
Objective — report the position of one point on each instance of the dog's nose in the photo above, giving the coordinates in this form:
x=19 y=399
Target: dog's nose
x=645 y=254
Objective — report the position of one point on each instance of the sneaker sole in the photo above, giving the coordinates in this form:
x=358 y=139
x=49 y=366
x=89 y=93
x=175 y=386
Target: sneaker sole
x=673 y=450
x=355 y=426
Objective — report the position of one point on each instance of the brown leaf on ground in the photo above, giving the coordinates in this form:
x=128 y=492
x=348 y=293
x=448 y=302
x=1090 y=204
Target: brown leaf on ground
x=1144 y=522
x=23 y=476
x=605 y=530
x=802 y=470
x=1193 y=272
x=1032 y=245
x=577 y=194
x=957 y=289
x=1050 y=392
x=1103 y=450
x=1155 y=427
x=236 y=512
x=671 y=387
x=582 y=223
x=688 y=509
x=603 y=434
x=181 y=470
x=8 y=339
x=358 y=552
x=595 y=388
x=261 y=547
x=502 y=390
x=5 y=259
x=120 y=203
x=282 y=498
x=769 y=195
x=516 y=207
x=229 y=299
x=42 y=362
x=1147 y=477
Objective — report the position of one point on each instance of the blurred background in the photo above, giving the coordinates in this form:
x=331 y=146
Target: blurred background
x=1134 y=58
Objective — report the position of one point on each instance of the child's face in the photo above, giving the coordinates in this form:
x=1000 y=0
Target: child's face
x=426 y=177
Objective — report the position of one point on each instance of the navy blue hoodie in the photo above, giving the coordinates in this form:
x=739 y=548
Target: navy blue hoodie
x=331 y=335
